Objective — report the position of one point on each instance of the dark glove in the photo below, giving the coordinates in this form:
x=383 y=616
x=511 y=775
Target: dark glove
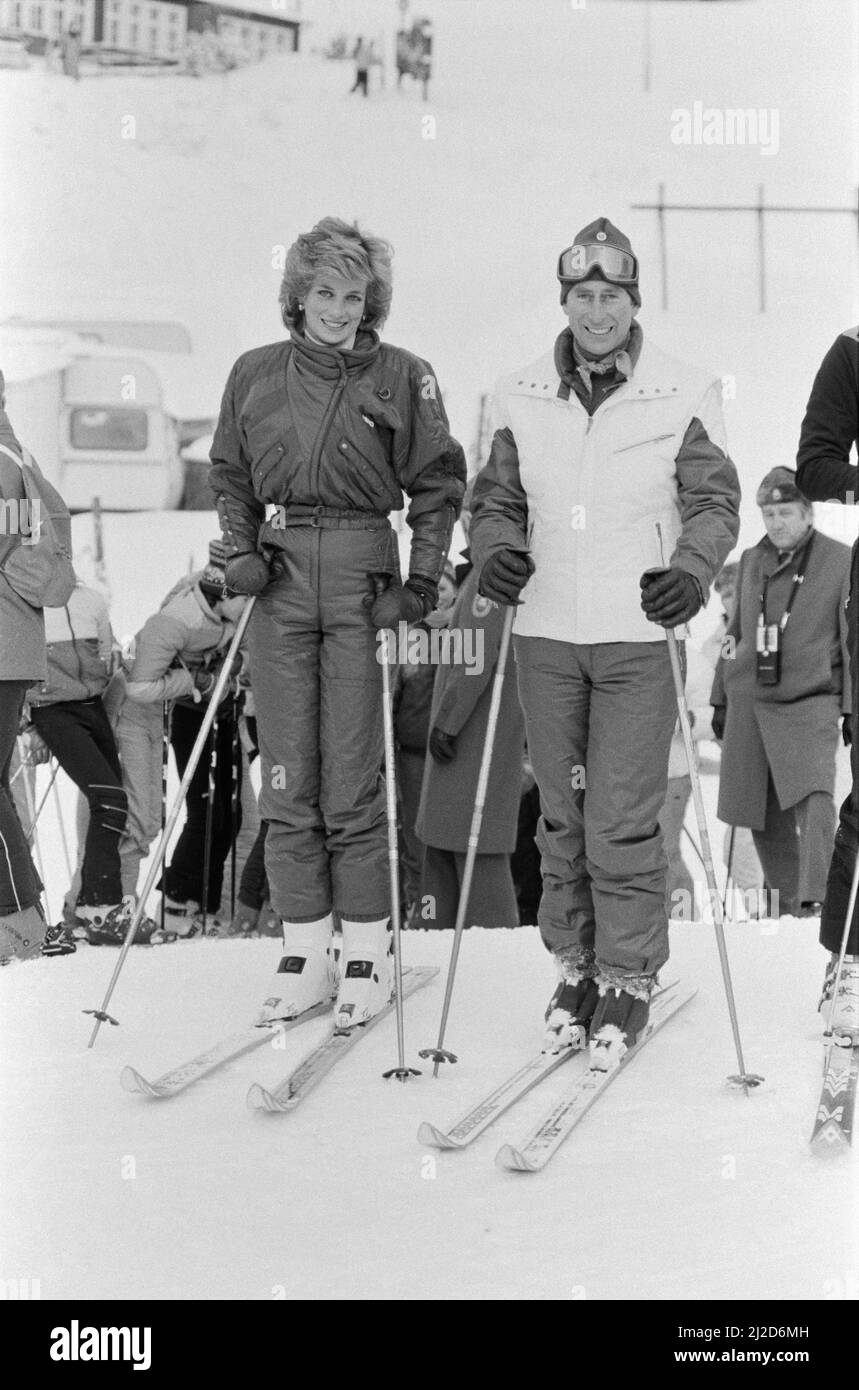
x=399 y=603
x=442 y=746
x=246 y=573
x=669 y=597
x=718 y=721
x=505 y=575
x=847 y=731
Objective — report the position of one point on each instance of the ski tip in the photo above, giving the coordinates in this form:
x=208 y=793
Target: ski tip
x=513 y=1160
x=830 y=1141
x=428 y=1134
x=131 y=1080
x=258 y=1097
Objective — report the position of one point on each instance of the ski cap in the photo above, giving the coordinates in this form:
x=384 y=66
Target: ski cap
x=602 y=233
x=779 y=485
x=213 y=580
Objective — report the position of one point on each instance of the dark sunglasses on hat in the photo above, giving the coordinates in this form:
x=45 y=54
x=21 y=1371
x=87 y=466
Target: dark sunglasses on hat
x=577 y=262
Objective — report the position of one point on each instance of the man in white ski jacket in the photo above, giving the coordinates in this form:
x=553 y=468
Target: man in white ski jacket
x=597 y=444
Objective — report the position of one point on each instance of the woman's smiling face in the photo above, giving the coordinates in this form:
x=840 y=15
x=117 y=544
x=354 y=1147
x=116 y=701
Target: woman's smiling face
x=333 y=309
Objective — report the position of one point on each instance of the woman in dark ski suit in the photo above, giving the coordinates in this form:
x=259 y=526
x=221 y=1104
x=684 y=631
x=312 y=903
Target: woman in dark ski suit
x=317 y=441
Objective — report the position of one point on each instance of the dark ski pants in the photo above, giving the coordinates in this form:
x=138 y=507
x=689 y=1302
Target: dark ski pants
x=841 y=868
x=317 y=688
x=184 y=876
x=79 y=735
x=20 y=885
x=253 y=885
x=599 y=720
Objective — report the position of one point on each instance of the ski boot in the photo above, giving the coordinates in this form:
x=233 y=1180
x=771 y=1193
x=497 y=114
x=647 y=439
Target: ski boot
x=306 y=974
x=366 y=972
x=841 y=1011
x=21 y=934
x=108 y=926
x=245 y=921
x=620 y=1016
x=59 y=941
x=571 y=1007
x=180 y=922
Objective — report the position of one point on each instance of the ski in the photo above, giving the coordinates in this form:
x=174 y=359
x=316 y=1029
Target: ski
x=487 y=1110
x=311 y=1069
x=479 y=1117
x=833 y=1125
x=227 y=1050
x=535 y=1151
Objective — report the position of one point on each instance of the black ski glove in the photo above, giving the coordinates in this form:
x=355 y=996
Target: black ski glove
x=505 y=575
x=399 y=603
x=246 y=573
x=442 y=746
x=669 y=597
x=718 y=721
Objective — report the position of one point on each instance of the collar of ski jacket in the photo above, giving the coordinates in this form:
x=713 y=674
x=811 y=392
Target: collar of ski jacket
x=329 y=362
x=576 y=371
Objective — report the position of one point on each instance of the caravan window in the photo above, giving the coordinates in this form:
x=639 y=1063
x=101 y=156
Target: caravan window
x=107 y=428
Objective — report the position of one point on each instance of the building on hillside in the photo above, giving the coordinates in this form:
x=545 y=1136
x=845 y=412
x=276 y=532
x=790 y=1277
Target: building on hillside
x=155 y=28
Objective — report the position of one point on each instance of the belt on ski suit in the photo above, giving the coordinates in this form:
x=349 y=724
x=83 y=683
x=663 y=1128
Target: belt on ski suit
x=326 y=518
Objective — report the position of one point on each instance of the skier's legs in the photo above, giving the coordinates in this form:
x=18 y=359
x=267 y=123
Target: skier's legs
x=19 y=882
x=439 y=894
x=351 y=739
x=284 y=642
x=410 y=772
x=138 y=735
x=80 y=737
x=632 y=718
x=680 y=887
x=183 y=878
x=222 y=804
x=555 y=694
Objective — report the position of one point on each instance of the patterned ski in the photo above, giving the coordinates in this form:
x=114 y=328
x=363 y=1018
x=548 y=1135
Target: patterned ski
x=833 y=1125
x=310 y=1071
x=479 y=1117
x=227 y=1050
x=544 y=1141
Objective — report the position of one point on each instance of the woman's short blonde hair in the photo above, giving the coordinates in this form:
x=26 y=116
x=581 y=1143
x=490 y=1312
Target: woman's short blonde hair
x=343 y=248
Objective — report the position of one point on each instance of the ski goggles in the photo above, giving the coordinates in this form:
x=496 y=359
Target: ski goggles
x=577 y=262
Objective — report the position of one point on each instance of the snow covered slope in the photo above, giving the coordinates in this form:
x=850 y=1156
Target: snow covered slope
x=175 y=197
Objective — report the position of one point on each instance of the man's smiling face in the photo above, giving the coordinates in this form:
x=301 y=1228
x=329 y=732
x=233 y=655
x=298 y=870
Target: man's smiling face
x=600 y=315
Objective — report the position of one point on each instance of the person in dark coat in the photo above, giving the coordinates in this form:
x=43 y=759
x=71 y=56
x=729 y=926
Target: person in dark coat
x=325 y=433
x=778 y=710
x=23 y=663
x=824 y=472
x=412 y=705
x=459 y=718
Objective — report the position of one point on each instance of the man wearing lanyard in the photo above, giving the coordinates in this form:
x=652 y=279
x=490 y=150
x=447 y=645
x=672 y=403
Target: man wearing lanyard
x=781 y=687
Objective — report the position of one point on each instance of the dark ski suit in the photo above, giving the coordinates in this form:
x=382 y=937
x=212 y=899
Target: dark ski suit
x=314 y=447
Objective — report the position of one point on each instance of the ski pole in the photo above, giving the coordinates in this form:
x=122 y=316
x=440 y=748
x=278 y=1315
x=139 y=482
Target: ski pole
x=234 y=801
x=62 y=825
x=438 y=1053
x=34 y=816
x=744 y=1079
x=828 y=1036
x=729 y=887
x=210 y=807
x=101 y=1015
x=400 y=1071
x=166 y=719
x=29 y=832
